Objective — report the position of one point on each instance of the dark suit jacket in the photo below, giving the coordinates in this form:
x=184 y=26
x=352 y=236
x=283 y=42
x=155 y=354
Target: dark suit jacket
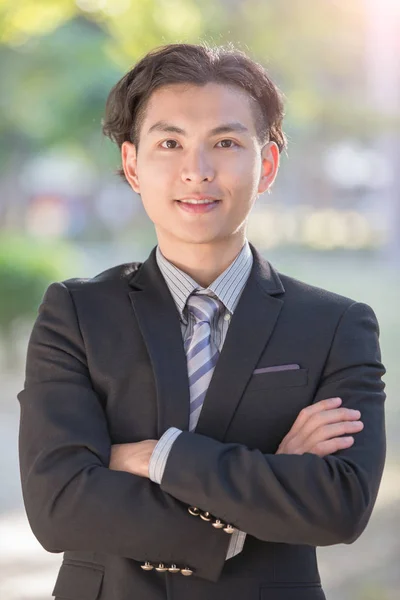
x=106 y=365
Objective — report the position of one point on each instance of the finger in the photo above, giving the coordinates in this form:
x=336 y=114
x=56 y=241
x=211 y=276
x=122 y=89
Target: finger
x=339 y=414
x=342 y=428
x=330 y=446
x=326 y=417
x=328 y=432
x=308 y=411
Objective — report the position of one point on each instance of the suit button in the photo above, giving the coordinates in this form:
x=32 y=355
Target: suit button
x=229 y=529
x=186 y=571
x=161 y=568
x=147 y=566
x=194 y=511
x=173 y=569
x=218 y=524
x=205 y=516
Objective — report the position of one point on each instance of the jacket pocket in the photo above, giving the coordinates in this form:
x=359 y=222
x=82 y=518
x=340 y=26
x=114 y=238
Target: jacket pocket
x=78 y=581
x=292 y=377
x=292 y=592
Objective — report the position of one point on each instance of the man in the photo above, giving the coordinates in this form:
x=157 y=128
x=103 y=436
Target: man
x=190 y=425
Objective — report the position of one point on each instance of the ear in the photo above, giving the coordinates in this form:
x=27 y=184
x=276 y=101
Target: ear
x=269 y=166
x=129 y=165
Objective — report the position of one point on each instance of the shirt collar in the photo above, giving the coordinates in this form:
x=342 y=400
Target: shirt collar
x=227 y=287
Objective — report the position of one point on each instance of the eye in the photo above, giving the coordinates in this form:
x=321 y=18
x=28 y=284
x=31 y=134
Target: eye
x=231 y=142
x=168 y=142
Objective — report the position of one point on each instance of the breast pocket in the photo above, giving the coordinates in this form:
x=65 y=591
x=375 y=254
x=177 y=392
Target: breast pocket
x=275 y=379
x=270 y=405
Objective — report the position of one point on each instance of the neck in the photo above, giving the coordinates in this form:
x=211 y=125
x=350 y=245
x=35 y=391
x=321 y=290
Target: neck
x=203 y=262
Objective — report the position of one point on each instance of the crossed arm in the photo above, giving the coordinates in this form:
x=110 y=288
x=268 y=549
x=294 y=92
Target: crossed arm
x=314 y=431
x=75 y=501
x=317 y=430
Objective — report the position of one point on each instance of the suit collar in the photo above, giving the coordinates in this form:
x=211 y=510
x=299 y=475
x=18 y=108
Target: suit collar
x=262 y=270
x=227 y=287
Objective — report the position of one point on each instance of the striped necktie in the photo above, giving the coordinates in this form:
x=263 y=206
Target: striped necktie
x=201 y=352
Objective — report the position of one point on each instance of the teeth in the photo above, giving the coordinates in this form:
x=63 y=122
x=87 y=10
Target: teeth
x=192 y=201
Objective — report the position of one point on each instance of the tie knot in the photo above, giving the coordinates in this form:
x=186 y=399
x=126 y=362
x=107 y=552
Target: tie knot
x=204 y=307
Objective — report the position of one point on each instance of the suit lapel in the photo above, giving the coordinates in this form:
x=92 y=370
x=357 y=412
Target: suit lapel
x=158 y=319
x=249 y=331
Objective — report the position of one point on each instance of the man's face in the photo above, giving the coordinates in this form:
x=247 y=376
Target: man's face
x=182 y=155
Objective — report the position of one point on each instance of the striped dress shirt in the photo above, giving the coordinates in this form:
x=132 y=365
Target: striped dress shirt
x=227 y=288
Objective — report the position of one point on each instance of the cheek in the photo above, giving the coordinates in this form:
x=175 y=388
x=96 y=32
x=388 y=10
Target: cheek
x=243 y=172
x=244 y=184
x=154 y=172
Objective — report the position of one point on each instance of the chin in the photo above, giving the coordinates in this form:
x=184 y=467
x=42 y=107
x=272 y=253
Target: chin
x=204 y=238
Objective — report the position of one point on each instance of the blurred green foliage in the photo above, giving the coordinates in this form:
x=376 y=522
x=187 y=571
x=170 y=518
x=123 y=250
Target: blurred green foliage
x=27 y=267
x=58 y=63
x=60 y=58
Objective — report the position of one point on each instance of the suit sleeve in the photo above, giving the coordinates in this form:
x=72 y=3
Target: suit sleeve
x=72 y=499
x=298 y=499
x=156 y=470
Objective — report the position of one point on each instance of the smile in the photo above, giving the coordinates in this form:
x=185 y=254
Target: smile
x=197 y=206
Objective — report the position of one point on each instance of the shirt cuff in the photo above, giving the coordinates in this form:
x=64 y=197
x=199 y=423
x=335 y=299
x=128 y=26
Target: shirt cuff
x=158 y=459
x=236 y=543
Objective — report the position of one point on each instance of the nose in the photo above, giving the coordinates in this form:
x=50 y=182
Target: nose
x=196 y=167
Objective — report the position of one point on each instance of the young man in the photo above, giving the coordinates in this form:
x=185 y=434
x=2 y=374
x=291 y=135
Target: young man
x=190 y=426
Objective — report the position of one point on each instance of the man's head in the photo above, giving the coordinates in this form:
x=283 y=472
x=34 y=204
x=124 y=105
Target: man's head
x=192 y=120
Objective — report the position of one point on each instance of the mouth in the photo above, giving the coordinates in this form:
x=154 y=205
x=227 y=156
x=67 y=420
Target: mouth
x=198 y=207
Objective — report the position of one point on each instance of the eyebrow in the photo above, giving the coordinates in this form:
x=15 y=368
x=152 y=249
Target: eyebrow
x=225 y=128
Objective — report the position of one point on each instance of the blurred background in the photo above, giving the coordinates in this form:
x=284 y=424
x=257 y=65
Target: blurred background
x=332 y=219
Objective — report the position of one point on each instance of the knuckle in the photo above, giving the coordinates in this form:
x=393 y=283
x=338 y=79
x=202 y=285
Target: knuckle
x=304 y=413
x=325 y=404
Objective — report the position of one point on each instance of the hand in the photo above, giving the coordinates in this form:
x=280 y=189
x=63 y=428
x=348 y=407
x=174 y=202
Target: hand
x=317 y=427
x=133 y=458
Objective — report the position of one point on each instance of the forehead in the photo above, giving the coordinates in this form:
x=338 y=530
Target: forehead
x=211 y=103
